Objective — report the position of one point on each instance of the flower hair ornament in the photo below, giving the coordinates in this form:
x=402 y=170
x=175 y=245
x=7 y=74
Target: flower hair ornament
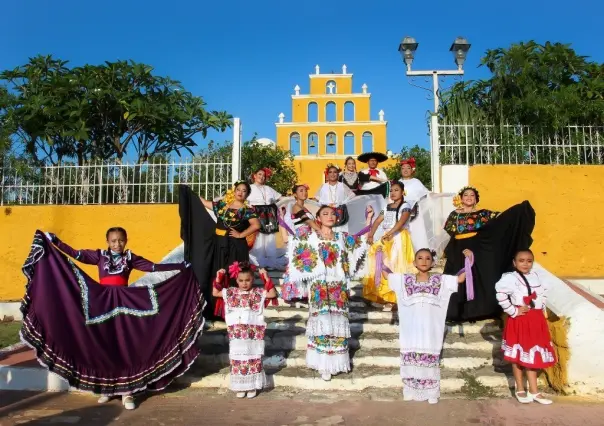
x=236 y=267
x=329 y=166
x=410 y=161
x=457 y=199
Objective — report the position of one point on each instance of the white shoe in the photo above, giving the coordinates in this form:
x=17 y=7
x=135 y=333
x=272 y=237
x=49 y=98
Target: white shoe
x=252 y=394
x=326 y=377
x=128 y=402
x=103 y=400
x=526 y=399
x=433 y=401
x=240 y=395
x=537 y=397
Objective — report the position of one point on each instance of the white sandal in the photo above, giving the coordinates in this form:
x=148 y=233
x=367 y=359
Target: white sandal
x=537 y=397
x=526 y=399
x=240 y=394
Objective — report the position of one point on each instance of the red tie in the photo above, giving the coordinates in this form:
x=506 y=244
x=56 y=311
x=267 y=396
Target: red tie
x=373 y=172
x=527 y=299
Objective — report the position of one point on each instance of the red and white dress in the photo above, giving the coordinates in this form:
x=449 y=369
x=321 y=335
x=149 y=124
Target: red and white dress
x=526 y=338
x=244 y=317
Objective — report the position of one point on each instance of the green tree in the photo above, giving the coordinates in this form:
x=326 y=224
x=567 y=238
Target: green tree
x=548 y=86
x=280 y=161
x=422 y=165
x=102 y=111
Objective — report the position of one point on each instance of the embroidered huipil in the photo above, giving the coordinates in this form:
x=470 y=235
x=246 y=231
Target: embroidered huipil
x=115 y=268
x=422 y=307
x=245 y=329
x=326 y=267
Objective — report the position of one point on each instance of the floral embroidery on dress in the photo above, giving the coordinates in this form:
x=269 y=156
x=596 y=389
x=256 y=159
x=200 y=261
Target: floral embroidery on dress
x=237 y=298
x=328 y=296
x=233 y=217
x=420 y=359
x=246 y=367
x=422 y=384
x=246 y=331
x=432 y=287
x=352 y=242
x=329 y=253
x=305 y=258
x=461 y=223
x=330 y=345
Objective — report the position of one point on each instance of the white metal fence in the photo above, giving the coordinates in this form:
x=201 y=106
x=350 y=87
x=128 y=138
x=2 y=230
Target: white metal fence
x=511 y=144
x=103 y=183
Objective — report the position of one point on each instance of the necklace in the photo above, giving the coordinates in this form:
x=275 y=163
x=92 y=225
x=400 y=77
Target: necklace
x=350 y=178
x=333 y=194
x=262 y=192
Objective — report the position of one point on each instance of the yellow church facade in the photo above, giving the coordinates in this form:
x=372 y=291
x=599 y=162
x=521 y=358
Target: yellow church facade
x=328 y=124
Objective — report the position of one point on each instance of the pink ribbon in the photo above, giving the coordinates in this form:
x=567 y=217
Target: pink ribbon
x=469 y=279
x=379 y=259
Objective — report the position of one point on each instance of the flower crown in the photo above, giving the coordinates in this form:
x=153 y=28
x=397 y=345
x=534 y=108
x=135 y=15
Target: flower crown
x=410 y=161
x=236 y=267
x=329 y=166
x=457 y=199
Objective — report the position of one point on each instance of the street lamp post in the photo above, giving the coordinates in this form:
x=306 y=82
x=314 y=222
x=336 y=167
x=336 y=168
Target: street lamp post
x=459 y=48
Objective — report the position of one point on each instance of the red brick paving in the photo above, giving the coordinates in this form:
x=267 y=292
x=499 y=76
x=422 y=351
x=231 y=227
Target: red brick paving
x=192 y=407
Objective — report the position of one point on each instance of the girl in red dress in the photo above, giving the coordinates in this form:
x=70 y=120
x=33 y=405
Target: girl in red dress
x=527 y=343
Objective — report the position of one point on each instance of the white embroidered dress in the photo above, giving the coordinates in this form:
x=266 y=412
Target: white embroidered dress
x=422 y=307
x=246 y=327
x=414 y=192
x=326 y=267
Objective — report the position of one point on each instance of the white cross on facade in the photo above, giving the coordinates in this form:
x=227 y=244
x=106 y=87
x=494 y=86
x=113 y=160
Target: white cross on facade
x=331 y=86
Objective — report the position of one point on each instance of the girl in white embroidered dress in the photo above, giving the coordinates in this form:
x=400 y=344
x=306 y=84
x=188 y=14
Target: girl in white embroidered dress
x=527 y=343
x=422 y=305
x=244 y=317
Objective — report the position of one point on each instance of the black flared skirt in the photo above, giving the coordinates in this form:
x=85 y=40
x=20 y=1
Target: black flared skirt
x=494 y=247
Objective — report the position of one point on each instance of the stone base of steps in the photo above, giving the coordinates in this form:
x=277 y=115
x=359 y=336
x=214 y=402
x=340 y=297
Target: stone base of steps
x=357 y=380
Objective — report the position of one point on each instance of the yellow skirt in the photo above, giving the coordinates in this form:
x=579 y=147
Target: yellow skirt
x=399 y=256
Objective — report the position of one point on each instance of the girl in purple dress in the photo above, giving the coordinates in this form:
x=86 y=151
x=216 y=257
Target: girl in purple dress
x=115 y=263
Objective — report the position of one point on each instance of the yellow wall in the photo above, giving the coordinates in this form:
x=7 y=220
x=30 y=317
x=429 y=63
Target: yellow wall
x=318 y=83
x=153 y=231
x=568 y=201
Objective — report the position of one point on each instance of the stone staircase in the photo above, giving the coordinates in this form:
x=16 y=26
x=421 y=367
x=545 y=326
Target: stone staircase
x=471 y=352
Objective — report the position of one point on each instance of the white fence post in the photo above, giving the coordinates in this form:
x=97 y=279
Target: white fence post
x=236 y=156
x=435 y=153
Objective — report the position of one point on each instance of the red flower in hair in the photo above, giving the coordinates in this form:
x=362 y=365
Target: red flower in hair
x=410 y=161
x=267 y=172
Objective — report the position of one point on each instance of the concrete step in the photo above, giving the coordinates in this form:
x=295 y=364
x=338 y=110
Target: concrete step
x=453 y=357
x=357 y=380
x=357 y=326
x=296 y=340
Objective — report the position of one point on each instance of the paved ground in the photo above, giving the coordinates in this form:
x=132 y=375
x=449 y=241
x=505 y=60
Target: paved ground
x=288 y=408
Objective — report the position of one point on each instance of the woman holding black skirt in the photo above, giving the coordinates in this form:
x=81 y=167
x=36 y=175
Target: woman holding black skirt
x=494 y=238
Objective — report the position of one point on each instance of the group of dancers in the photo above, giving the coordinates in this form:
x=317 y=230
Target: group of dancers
x=113 y=339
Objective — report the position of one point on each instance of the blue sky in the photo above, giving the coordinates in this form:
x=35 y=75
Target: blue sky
x=246 y=56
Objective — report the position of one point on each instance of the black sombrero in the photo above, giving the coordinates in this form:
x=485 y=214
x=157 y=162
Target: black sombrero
x=363 y=158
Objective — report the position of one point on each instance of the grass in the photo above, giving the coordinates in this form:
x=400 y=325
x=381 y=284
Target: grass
x=9 y=333
x=474 y=388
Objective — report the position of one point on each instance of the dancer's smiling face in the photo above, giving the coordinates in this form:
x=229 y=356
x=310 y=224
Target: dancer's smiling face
x=406 y=171
x=241 y=192
x=245 y=280
x=332 y=175
x=468 y=198
x=423 y=260
x=523 y=261
x=117 y=241
x=260 y=177
x=351 y=165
